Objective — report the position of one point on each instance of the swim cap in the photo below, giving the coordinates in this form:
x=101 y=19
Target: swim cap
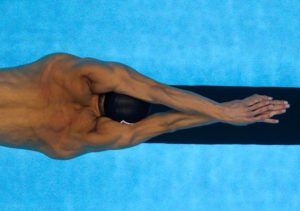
x=124 y=108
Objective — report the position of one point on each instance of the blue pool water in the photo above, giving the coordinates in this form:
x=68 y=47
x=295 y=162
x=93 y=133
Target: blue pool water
x=211 y=42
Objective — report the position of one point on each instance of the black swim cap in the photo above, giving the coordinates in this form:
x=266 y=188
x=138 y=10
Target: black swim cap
x=122 y=108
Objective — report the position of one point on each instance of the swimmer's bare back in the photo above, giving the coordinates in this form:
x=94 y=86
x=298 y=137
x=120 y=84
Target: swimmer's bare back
x=51 y=106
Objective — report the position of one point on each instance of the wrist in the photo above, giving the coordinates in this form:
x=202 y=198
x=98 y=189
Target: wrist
x=219 y=113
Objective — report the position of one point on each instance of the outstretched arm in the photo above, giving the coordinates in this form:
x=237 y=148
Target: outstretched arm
x=113 y=135
x=173 y=121
x=116 y=77
x=110 y=135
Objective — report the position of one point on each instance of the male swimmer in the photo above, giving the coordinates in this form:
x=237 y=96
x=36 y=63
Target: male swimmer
x=65 y=106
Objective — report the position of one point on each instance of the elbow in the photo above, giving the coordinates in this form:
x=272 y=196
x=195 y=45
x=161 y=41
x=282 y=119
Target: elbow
x=133 y=136
x=124 y=141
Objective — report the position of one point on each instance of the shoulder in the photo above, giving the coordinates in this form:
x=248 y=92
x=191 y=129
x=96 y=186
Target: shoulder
x=56 y=61
x=58 y=56
x=82 y=63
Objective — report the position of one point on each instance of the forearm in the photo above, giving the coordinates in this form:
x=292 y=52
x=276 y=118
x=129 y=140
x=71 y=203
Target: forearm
x=177 y=120
x=167 y=122
x=187 y=102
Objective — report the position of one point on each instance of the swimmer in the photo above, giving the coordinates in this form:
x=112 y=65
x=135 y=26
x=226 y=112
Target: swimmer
x=65 y=106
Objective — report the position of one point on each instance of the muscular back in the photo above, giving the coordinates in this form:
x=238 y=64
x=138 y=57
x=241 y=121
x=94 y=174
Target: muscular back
x=47 y=106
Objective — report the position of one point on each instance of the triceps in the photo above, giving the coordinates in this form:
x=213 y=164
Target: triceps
x=135 y=84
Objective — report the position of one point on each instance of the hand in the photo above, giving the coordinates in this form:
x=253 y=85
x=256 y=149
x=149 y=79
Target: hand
x=256 y=108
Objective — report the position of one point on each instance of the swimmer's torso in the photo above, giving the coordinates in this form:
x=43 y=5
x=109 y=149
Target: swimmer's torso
x=46 y=105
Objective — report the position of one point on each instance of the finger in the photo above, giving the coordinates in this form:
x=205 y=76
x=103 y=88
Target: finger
x=262 y=96
x=267 y=115
x=262 y=117
x=273 y=106
x=278 y=107
x=273 y=113
x=272 y=121
x=280 y=104
x=257 y=98
x=262 y=110
x=259 y=105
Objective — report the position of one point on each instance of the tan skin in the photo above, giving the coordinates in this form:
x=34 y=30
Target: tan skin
x=51 y=106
